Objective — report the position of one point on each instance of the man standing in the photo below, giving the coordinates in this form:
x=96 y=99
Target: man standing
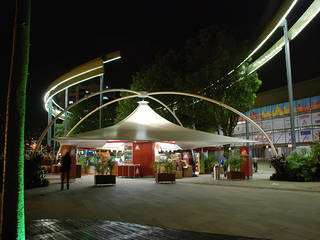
x=65 y=169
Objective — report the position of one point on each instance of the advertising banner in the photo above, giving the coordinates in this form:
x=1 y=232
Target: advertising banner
x=280 y=109
x=279 y=137
x=287 y=123
x=246 y=166
x=261 y=138
x=266 y=112
x=252 y=128
x=302 y=105
x=316 y=134
x=240 y=128
x=315 y=102
x=316 y=118
x=306 y=136
x=288 y=137
x=278 y=123
x=267 y=125
x=304 y=120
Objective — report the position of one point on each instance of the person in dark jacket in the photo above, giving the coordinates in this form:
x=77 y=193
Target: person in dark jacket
x=65 y=169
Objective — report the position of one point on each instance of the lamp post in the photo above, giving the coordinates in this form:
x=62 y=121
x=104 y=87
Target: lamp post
x=289 y=82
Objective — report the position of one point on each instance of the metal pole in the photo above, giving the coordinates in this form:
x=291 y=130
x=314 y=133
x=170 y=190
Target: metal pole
x=100 y=112
x=54 y=141
x=49 y=120
x=289 y=81
x=250 y=150
x=66 y=113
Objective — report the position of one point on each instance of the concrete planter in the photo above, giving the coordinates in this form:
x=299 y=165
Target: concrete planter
x=104 y=179
x=235 y=175
x=165 y=177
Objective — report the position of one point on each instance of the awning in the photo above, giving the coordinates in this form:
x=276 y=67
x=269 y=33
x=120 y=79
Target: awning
x=144 y=124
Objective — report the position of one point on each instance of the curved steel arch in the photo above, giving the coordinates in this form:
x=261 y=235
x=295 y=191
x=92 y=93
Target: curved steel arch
x=98 y=108
x=117 y=100
x=137 y=94
x=222 y=105
x=190 y=95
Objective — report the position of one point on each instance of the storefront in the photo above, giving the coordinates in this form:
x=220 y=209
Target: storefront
x=145 y=137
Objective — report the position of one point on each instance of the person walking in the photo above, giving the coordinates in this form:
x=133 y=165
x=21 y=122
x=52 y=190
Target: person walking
x=224 y=164
x=255 y=164
x=65 y=169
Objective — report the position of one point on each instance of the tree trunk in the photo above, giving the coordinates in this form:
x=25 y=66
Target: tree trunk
x=12 y=205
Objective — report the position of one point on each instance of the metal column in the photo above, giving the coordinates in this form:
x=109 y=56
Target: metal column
x=289 y=81
x=54 y=141
x=100 y=111
x=250 y=150
x=66 y=113
x=49 y=120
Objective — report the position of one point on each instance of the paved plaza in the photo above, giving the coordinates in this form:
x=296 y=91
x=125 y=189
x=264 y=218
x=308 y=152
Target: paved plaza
x=256 y=208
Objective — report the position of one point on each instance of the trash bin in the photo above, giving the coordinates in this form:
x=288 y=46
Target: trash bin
x=216 y=172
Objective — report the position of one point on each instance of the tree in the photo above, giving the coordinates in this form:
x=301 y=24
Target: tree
x=203 y=67
x=12 y=207
x=163 y=74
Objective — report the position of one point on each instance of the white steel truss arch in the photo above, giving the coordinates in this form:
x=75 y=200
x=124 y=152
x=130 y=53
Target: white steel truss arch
x=182 y=94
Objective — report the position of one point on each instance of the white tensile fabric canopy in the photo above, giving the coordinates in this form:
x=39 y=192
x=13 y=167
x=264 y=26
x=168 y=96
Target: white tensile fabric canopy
x=144 y=124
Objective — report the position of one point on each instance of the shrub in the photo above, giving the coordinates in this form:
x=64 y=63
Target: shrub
x=235 y=163
x=34 y=174
x=298 y=166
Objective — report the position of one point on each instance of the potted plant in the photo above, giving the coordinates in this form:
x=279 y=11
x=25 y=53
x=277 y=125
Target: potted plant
x=167 y=175
x=209 y=163
x=103 y=167
x=235 y=168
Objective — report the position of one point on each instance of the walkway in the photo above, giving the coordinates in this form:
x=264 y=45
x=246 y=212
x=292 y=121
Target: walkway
x=71 y=229
x=260 y=180
x=254 y=208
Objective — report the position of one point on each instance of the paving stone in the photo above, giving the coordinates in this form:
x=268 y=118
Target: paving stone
x=71 y=229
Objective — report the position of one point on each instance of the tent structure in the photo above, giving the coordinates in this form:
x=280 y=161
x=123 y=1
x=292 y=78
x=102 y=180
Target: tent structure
x=144 y=124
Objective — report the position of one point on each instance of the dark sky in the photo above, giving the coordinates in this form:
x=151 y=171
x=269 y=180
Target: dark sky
x=65 y=34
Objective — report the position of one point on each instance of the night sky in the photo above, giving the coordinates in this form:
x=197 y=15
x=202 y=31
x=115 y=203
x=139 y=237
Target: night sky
x=65 y=34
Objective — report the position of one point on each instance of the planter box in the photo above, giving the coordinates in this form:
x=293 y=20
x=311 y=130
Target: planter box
x=78 y=171
x=165 y=177
x=236 y=175
x=104 y=179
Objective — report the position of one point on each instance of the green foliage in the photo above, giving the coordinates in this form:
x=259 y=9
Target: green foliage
x=298 y=166
x=101 y=166
x=210 y=161
x=200 y=67
x=167 y=164
x=110 y=165
x=82 y=160
x=155 y=166
x=235 y=163
x=34 y=174
x=303 y=165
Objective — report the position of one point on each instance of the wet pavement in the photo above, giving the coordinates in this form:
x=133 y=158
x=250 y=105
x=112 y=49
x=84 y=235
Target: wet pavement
x=70 y=229
x=198 y=208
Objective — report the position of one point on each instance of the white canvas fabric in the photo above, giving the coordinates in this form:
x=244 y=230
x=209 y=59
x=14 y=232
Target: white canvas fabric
x=144 y=124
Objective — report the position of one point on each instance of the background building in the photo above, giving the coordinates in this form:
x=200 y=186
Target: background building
x=271 y=112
